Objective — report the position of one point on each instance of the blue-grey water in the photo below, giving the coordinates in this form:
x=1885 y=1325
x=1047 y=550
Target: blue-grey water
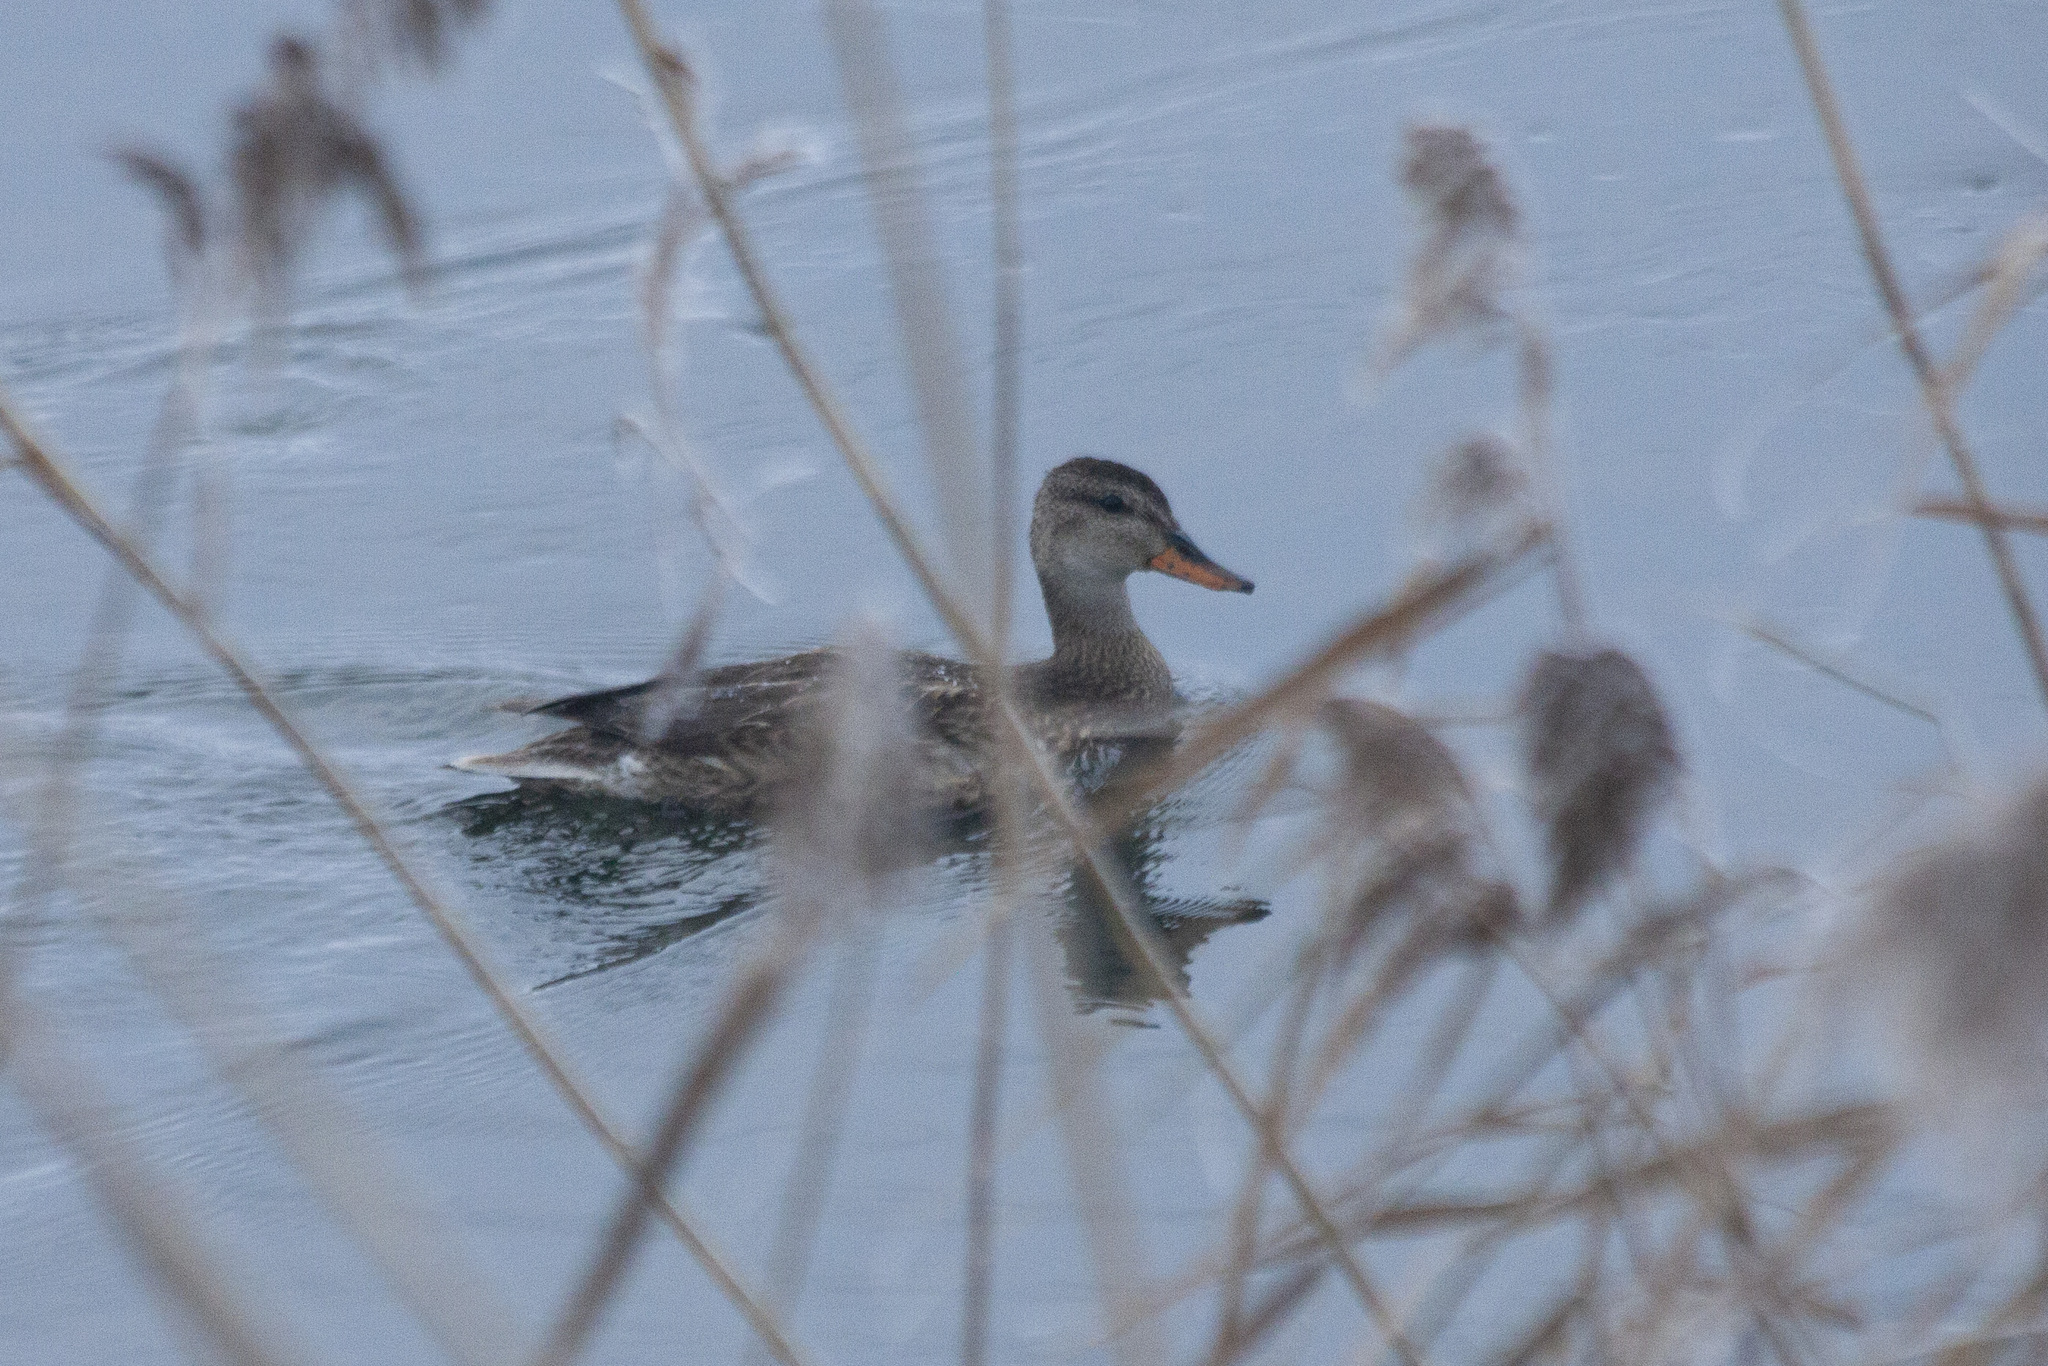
x=428 y=510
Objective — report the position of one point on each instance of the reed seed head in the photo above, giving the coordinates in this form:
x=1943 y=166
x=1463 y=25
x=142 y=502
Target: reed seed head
x=1477 y=490
x=1469 y=255
x=1601 y=762
x=856 y=807
x=294 y=149
x=1406 y=830
x=1958 y=935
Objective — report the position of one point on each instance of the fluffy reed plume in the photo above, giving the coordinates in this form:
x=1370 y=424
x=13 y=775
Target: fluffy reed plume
x=850 y=825
x=294 y=150
x=854 y=814
x=1957 y=937
x=1478 y=492
x=1406 y=807
x=1601 y=763
x=1470 y=253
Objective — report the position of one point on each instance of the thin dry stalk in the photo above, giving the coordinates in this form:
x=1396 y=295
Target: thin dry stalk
x=1283 y=1298
x=1573 y=1012
x=1534 y=386
x=163 y=1231
x=53 y=822
x=677 y=87
x=673 y=79
x=1007 y=361
x=682 y=221
x=1453 y=1284
x=2023 y=1307
x=924 y=315
x=1145 y=939
x=1934 y=389
x=176 y=424
x=1430 y=601
x=1766 y=634
x=977 y=1288
x=824 y=1119
x=841 y=832
x=985 y=1109
x=1354 y=1025
x=2002 y=514
x=1858 y=1131
x=37 y=462
x=2004 y=291
x=747 y=1006
x=1230 y=1342
x=1093 y=1153
x=357 y=1179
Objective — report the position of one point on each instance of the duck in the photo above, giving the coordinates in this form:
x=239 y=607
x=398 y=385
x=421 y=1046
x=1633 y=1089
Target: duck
x=728 y=742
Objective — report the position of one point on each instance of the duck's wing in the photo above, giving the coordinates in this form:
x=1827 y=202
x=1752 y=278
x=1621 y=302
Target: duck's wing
x=612 y=711
x=734 y=706
x=946 y=698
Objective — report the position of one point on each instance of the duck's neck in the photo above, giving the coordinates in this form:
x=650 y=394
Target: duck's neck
x=1098 y=652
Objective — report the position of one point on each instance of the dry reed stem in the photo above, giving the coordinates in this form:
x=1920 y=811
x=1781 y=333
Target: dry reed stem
x=1440 y=1299
x=1144 y=938
x=1094 y=1166
x=2004 y=291
x=1229 y=1341
x=804 y=1190
x=984 y=1112
x=1534 y=385
x=1573 y=1012
x=2023 y=1307
x=682 y=219
x=1707 y=1171
x=671 y=76
x=746 y=1008
x=676 y=85
x=39 y=465
x=2002 y=514
x=1267 y=1314
x=1862 y=1130
x=52 y=824
x=924 y=312
x=1008 y=313
x=1430 y=601
x=1766 y=634
x=1934 y=389
x=347 y=1167
x=162 y=1229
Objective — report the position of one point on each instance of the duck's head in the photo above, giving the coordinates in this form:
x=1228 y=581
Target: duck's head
x=1096 y=522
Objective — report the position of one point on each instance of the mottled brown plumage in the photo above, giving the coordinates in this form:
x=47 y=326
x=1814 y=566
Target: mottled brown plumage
x=729 y=739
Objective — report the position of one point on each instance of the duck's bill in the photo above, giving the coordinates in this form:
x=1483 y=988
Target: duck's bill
x=1184 y=561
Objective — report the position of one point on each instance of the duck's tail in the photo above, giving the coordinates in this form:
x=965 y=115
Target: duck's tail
x=574 y=758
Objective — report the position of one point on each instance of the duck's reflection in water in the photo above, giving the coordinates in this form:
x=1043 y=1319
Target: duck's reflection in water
x=620 y=881
x=1105 y=970
x=623 y=881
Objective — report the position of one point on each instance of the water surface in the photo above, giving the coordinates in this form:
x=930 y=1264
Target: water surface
x=429 y=511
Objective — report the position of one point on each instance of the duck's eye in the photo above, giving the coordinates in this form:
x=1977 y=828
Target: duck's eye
x=1110 y=502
